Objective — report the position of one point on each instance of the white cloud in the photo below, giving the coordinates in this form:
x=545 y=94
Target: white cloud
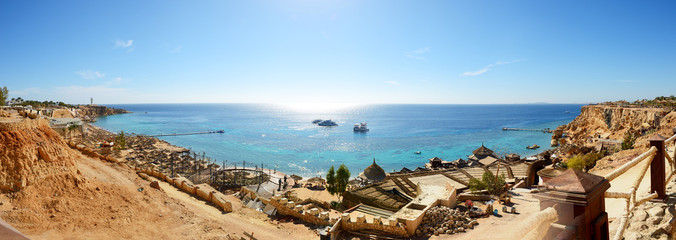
x=422 y=50
x=479 y=72
x=176 y=49
x=90 y=74
x=26 y=91
x=101 y=94
x=128 y=44
x=123 y=44
x=489 y=67
x=416 y=54
x=116 y=81
x=392 y=82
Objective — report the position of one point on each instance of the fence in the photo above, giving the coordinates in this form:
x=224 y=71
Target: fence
x=655 y=158
x=590 y=222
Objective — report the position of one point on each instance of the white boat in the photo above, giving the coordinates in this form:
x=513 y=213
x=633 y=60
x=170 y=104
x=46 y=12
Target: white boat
x=360 y=127
x=327 y=123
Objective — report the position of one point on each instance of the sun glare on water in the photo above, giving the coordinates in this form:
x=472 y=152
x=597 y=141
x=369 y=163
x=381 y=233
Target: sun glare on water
x=318 y=106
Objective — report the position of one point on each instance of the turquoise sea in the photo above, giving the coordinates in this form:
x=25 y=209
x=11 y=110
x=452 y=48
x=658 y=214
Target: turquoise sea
x=283 y=136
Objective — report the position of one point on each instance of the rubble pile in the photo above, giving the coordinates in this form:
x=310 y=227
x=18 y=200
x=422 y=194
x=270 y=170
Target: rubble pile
x=444 y=220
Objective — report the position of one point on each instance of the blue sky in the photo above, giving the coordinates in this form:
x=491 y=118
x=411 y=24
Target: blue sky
x=338 y=51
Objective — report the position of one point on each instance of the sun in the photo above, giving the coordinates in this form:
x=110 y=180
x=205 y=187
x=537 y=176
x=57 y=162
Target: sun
x=311 y=107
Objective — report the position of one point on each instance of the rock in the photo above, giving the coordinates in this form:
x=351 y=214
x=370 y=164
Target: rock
x=633 y=236
x=667 y=226
x=155 y=185
x=655 y=220
x=669 y=212
x=657 y=232
x=656 y=211
x=640 y=215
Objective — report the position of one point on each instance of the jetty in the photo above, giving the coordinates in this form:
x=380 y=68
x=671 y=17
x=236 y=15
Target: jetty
x=192 y=133
x=545 y=130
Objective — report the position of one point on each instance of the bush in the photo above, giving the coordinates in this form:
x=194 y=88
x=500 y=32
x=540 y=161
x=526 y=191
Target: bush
x=488 y=183
x=584 y=162
x=629 y=140
x=120 y=141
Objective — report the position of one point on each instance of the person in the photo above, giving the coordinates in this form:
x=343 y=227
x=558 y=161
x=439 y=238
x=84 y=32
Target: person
x=279 y=186
x=284 y=179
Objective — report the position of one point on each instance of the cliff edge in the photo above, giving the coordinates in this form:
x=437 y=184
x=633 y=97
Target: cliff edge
x=31 y=151
x=93 y=111
x=607 y=122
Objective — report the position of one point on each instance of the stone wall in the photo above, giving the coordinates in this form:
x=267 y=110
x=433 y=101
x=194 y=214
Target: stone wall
x=188 y=187
x=390 y=226
x=90 y=152
x=289 y=208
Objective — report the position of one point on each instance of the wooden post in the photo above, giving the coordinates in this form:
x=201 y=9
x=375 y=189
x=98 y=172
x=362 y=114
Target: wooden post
x=578 y=199
x=657 y=167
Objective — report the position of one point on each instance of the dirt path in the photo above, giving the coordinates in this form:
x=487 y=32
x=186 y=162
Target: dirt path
x=106 y=203
x=501 y=227
x=242 y=219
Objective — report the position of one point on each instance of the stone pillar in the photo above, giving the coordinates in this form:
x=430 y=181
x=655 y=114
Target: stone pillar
x=376 y=220
x=345 y=217
x=578 y=199
x=657 y=167
x=361 y=218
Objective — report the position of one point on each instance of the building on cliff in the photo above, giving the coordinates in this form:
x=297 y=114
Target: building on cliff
x=65 y=126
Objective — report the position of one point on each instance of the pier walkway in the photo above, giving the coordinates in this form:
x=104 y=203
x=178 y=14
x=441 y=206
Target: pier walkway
x=180 y=134
x=546 y=130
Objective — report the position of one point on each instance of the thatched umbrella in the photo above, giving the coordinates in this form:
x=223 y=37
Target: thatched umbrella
x=316 y=181
x=296 y=177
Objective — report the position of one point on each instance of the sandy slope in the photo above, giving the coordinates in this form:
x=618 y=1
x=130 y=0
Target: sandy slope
x=106 y=204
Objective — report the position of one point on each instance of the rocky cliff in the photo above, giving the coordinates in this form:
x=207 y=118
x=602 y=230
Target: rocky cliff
x=31 y=151
x=93 y=111
x=613 y=122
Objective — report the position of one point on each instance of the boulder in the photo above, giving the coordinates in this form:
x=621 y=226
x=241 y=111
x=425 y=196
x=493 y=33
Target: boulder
x=657 y=211
x=640 y=215
x=155 y=185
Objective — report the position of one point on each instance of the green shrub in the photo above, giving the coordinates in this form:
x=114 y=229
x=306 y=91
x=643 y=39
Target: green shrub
x=120 y=141
x=629 y=140
x=584 y=162
x=488 y=183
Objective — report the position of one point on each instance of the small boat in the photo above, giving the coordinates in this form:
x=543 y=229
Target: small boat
x=360 y=127
x=220 y=131
x=418 y=152
x=327 y=123
x=534 y=146
x=316 y=121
